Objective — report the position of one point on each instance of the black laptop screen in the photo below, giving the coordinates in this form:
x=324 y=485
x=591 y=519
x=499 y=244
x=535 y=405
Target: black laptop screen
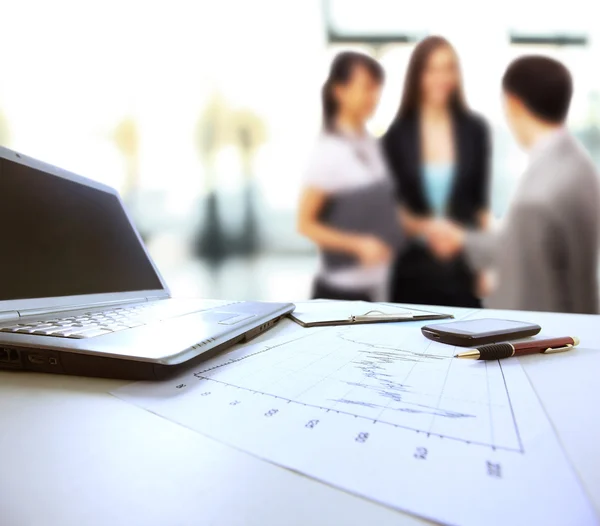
x=63 y=238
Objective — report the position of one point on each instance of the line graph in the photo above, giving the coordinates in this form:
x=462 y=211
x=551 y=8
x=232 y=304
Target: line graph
x=360 y=374
x=384 y=413
x=373 y=365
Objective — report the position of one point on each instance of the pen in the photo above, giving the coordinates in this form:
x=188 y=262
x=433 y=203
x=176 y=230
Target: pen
x=495 y=351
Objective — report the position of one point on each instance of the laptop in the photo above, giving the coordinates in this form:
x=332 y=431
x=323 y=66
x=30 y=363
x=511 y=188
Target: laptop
x=79 y=293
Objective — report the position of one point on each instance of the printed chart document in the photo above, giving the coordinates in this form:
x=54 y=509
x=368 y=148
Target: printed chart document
x=382 y=412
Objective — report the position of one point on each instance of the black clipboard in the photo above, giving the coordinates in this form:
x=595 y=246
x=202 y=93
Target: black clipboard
x=367 y=210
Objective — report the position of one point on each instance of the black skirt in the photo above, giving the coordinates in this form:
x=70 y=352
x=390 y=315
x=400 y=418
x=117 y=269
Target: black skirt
x=419 y=277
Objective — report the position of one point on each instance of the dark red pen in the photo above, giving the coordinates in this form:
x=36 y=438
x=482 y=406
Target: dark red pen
x=496 y=351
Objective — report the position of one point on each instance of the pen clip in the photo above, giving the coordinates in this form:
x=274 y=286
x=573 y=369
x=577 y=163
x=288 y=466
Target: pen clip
x=550 y=350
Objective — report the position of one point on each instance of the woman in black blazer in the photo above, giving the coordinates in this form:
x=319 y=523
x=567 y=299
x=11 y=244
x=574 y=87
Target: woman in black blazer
x=439 y=153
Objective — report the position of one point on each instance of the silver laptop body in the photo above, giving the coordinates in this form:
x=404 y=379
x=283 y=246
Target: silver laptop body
x=79 y=293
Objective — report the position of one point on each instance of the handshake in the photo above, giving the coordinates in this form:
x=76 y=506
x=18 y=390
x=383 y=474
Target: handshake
x=445 y=238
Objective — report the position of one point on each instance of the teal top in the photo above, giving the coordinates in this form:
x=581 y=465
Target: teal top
x=438 y=183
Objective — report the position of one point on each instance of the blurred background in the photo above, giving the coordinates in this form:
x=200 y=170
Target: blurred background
x=203 y=114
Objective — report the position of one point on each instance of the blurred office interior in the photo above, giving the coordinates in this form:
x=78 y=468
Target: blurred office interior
x=203 y=113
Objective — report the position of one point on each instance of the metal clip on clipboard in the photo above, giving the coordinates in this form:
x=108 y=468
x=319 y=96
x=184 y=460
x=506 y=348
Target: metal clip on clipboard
x=377 y=315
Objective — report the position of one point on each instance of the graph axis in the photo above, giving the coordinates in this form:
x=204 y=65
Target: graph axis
x=362 y=417
x=512 y=411
x=201 y=376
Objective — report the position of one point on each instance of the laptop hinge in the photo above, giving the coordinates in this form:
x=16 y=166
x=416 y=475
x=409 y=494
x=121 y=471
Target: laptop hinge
x=66 y=308
x=9 y=315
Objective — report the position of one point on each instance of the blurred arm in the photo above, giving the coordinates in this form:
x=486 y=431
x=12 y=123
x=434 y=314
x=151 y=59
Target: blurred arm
x=480 y=248
x=482 y=185
x=312 y=202
x=485 y=219
x=413 y=224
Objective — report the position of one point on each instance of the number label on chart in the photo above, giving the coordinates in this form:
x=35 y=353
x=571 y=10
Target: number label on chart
x=362 y=438
x=311 y=424
x=421 y=453
x=180 y=386
x=272 y=412
x=206 y=393
x=235 y=402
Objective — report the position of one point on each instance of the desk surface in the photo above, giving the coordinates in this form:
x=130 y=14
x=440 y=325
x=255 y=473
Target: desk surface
x=72 y=454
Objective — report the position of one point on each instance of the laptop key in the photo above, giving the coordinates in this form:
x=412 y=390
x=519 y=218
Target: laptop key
x=48 y=331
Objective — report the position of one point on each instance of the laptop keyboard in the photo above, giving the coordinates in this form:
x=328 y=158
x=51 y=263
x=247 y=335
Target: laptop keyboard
x=99 y=323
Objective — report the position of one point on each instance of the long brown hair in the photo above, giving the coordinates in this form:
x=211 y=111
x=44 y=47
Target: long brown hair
x=411 y=96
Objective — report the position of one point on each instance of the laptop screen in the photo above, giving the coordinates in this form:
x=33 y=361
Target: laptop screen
x=63 y=238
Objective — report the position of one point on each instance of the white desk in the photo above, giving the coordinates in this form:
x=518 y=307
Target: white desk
x=73 y=455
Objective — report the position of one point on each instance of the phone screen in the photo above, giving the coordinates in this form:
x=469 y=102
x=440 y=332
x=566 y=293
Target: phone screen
x=482 y=326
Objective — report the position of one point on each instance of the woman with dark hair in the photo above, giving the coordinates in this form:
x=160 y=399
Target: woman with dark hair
x=439 y=154
x=348 y=189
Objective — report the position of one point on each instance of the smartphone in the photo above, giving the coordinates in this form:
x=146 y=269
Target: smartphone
x=478 y=332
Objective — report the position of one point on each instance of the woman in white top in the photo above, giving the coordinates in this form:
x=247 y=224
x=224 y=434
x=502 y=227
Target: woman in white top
x=347 y=161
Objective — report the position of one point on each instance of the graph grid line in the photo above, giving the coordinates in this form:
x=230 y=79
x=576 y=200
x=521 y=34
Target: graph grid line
x=348 y=413
x=370 y=372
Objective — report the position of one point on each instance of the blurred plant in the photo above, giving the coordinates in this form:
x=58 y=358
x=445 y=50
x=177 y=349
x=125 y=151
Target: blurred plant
x=211 y=135
x=4 y=132
x=126 y=138
x=218 y=127
x=251 y=134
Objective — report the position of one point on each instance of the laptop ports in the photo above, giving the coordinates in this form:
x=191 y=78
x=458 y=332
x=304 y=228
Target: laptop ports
x=36 y=359
x=10 y=356
x=42 y=359
x=4 y=355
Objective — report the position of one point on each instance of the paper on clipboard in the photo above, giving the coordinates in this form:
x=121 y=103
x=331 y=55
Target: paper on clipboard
x=325 y=313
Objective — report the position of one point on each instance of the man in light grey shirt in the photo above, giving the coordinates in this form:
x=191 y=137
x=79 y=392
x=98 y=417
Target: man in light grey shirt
x=544 y=256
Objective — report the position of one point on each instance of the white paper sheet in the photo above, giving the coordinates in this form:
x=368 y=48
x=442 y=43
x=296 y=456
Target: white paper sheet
x=382 y=412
